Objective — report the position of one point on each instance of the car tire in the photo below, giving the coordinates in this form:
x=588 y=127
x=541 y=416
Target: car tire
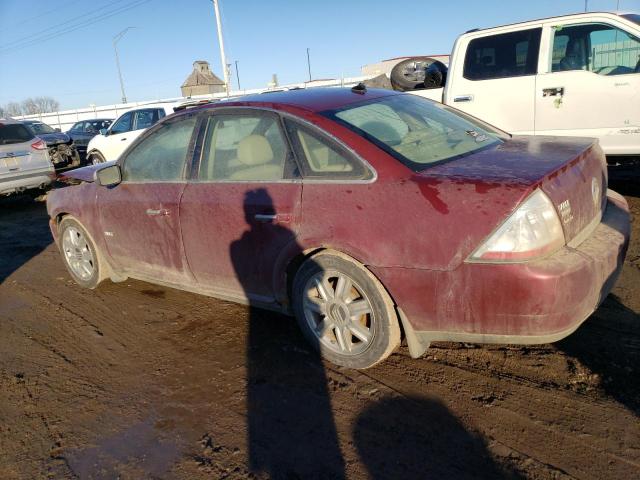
x=96 y=158
x=344 y=311
x=409 y=73
x=80 y=255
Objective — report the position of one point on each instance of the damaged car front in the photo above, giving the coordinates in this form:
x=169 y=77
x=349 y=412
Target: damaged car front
x=62 y=151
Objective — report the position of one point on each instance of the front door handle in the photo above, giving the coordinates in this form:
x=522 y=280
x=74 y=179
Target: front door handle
x=552 y=92
x=123 y=139
x=463 y=98
x=153 y=212
x=273 y=217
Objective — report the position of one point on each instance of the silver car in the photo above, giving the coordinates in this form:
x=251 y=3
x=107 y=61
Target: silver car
x=25 y=165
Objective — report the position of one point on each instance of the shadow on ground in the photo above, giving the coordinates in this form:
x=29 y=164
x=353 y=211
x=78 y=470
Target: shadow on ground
x=24 y=232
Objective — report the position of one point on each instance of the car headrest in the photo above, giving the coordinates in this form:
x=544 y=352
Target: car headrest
x=255 y=150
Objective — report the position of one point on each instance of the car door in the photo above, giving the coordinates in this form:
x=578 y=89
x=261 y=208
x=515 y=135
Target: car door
x=243 y=208
x=591 y=85
x=140 y=216
x=119 y=138
x=498 y=78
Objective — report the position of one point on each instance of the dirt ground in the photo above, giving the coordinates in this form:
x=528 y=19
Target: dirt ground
x=137 y=381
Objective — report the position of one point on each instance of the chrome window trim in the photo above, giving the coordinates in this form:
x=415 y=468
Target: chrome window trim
x=309 y=125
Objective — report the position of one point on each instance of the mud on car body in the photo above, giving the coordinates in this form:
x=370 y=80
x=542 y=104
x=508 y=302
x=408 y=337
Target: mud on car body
x=62 y=150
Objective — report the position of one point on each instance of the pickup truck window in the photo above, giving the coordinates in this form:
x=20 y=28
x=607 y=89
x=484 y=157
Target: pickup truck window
x=416 y=131
x=512 y=54
x=595 y=47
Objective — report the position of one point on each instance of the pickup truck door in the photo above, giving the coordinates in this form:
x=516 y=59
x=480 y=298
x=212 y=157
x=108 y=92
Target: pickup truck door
x=493 y=78
x=591 y=85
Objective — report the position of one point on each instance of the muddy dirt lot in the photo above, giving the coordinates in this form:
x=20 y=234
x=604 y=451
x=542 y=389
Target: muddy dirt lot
x=137 y=381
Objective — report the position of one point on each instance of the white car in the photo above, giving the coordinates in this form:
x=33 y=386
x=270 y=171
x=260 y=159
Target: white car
x=25 y=165
x=110 y=143
x=576 y=75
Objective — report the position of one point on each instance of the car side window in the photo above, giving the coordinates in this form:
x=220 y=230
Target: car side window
x=77 y=127
x=161 y=156
x=146 y=118
x=322 y=157
x=595 y=47
x=123 y=124
x=245 y=147
x=512 y=54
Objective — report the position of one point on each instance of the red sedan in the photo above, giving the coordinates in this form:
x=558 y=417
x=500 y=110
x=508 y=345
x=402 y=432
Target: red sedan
x=368 y=214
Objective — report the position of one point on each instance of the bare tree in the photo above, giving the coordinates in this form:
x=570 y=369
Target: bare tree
x=13 y=109
x=33 y=105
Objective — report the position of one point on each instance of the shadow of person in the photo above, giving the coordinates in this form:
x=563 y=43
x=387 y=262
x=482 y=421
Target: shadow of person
x=608 y=344
x=416 y=437
x=291 y=431
x=24 y=232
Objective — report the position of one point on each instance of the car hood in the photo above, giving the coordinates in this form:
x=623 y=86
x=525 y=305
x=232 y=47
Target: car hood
x=85 y=174
x=54 y=138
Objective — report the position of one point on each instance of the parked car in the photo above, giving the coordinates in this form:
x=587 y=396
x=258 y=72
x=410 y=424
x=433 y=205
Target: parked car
x=112 y=141
x=83 y=131
x=575 y=75
x=24 y=161
x=62 y=151
x=361 y=211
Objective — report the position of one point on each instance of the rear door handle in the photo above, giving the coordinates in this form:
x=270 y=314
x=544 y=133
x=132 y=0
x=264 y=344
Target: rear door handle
x=552 y=92
x=153 y=212
x=273 y=217
x=463 y=98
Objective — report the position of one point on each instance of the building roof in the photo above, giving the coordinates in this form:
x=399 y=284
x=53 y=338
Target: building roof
x=201 y=77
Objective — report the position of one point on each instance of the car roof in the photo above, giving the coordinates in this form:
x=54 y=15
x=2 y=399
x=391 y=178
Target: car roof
x=315 y=99
x=576 y=16
x=9 y=121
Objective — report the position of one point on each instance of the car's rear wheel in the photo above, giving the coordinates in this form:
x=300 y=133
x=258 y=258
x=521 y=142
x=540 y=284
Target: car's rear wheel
x=344 y=311
x=96 y=157
x=81 y=257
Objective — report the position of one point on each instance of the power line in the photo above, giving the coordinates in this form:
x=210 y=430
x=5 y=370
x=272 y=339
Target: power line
x=47 y=12
x=73 y=28
x=58 y=25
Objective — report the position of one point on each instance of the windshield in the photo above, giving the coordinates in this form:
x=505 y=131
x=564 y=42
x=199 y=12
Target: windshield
x=632 y=17
x=416 y=131
x=39 y=128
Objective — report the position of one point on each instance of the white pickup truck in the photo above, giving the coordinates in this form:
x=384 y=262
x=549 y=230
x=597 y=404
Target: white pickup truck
x=576 y=75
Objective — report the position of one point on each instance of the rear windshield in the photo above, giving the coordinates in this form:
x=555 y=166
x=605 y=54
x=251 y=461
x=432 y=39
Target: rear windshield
x=14 y=133
x=39 y=128
x=416 y=131
x=633 y=17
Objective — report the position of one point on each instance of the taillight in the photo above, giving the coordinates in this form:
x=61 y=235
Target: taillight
x=532 y=231
x=39 y=144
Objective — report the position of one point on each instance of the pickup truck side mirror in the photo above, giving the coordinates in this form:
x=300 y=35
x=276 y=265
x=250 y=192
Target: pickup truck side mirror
x=103 y=131
x=109 y=176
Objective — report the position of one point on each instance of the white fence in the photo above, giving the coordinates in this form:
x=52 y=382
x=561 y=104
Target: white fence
x=66 y=118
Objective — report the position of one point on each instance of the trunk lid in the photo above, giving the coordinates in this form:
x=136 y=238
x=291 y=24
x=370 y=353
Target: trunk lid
x=571 y=171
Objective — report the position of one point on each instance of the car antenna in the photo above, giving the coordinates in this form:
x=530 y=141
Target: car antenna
x=360 y=88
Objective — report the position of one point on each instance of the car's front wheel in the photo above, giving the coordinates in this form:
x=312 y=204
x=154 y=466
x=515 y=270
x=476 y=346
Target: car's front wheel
x=81 y=257
x=344 y=311
x=96 y=158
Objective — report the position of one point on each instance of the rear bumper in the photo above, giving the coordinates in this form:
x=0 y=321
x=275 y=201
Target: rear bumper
x=21 y=181
x=527 y=303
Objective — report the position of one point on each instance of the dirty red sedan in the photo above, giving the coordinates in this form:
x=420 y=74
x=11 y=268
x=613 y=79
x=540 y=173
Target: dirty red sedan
x=370 y=215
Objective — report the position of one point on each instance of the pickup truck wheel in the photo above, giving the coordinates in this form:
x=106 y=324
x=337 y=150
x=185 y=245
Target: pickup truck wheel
x=344 y=311
x=81 y=257
x=96 y=158
x=409 y=74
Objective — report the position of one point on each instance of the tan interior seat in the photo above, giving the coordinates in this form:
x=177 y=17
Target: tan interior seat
x=256 y=157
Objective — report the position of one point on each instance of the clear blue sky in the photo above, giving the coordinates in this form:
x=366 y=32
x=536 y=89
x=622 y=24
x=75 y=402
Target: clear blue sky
x=78 y=68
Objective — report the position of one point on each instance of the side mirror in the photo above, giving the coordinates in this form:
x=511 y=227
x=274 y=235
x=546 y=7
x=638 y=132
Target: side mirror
x=57 y=130
x=109 y=176
x=103 y=131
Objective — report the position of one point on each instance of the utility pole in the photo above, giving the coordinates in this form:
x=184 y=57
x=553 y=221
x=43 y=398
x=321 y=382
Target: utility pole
x=116 y=39
x=586 y=5
x=308 y=64
x=223 y=58
x=238 y=75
